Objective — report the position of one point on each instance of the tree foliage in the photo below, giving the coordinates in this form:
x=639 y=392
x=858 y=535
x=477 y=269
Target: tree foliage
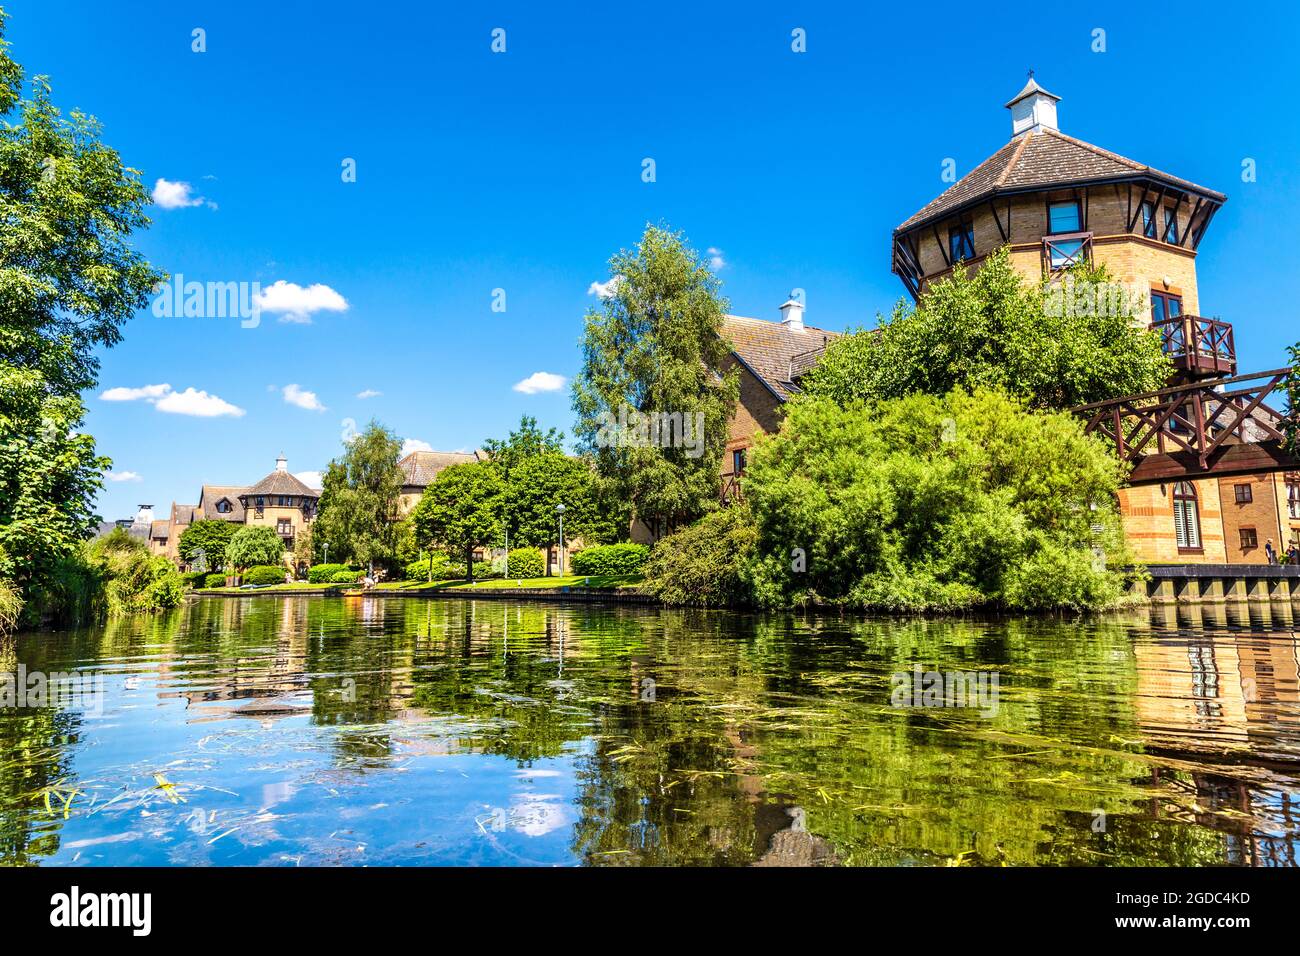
x=209 y=536
x=462 y=509
x=654 y=349
x=523 y=443
x=254 y=544
x=925 y=503
x=706 y=564
x=359 y=500
x=541 y=482
x=1054 y=347
x=69 y=280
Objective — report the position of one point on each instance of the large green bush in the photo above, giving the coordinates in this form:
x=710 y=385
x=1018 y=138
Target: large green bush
x=346 y=577
x=525 y=563
x=611 y=559
x=133 y=580
x=924 y=503
x=706 y=563
x=264 y=574
x=214 y=580
x=324 y=573
x=193 y=579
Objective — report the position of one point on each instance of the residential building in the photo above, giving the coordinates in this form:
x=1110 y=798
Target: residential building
x=419 y=468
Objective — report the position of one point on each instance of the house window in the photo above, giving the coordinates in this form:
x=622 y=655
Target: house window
x=1187 y=518
x=284 y=527
x=1249 y=540
x=261 y=503
x=1245 y=494
x=1149 y=220
x=223 y=507
x=961 y=242
x=1293 y=499
x=738 y=461
x=1165 y=305
x=1171 y=225
x=1063 y=217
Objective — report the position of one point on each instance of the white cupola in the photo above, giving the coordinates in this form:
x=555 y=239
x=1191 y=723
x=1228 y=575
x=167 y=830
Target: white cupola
x=1033 y=109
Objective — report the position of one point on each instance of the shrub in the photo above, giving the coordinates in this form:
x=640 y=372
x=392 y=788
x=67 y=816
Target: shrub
x=418 y=570
x=194 y=579
x=611 y=559
x=525 y=563
x=214 y=580
x=453 y=571
x=133 y=580
x=263 y=574
x=324 y=573
x=705 y=563
x=485 y=569
x=925 y=504
x=11 y=606
x=346 y=577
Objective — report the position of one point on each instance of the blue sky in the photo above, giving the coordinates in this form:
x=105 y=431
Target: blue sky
x=521 y=171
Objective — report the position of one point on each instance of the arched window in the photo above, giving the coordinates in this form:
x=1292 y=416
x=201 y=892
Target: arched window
x=1187 y=517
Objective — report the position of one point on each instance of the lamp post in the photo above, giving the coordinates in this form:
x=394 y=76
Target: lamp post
x=559 y=509
x=327 y=553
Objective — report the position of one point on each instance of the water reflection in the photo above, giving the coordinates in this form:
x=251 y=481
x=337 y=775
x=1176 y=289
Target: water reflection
x=364 y=730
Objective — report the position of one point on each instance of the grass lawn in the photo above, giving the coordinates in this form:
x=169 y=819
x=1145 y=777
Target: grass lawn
x=610 y=581
x=295 y=586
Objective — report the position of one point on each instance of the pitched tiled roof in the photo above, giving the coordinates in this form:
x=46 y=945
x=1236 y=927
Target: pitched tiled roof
x=280 y=483
x=771 y=350
x=158 y=529
x=183 y=514
x=1041 y=160
x=211 y=494
x=421 y=467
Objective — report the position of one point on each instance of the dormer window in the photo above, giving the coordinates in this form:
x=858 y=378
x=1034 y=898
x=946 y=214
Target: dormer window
x=961 y=242
x=224 y=507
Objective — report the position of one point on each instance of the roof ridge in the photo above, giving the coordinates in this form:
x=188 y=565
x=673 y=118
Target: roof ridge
x=1015 y=159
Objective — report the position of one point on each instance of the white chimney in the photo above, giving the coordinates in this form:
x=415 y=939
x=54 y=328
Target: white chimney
x=1033 y=109
x=282 y=463
x=792 y=315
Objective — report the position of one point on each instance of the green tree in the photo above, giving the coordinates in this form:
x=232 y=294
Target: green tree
x=461 y=510
x=654 y=357
x=529 y=440
x=1064 y=344
x=209 y=536
x=69 y=280
x=926 y=503
x=254 y=544
x=540 y=483
x=358 y=514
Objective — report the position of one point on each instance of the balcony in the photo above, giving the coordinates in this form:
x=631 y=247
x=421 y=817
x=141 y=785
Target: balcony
x=1200 y=348
x=1065 y=250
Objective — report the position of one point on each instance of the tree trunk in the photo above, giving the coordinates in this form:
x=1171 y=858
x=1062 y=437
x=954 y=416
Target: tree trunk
x=469 y=562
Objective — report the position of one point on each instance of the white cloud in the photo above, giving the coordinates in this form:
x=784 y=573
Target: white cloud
x=124 y=476
x=540 y=382
x=192 y=401
x=368 y=393
x=716 y=260
x=177 y=195
x=197 y=403
x=295 y=303
x=311 y=479
x=148 y=393
x=605 y=290
x=413 y=444
x=296 y=395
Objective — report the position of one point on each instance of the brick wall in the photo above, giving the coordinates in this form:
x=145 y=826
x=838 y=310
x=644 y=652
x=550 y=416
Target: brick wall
x=1148 y=513
x=1260 y=514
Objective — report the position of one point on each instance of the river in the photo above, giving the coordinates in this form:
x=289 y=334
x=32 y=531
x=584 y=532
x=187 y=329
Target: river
x=316 y=731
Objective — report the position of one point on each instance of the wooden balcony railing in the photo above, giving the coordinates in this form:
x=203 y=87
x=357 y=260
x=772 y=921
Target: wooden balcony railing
x=1064 y=250
x=1197 y=418
x=1198 y=346
x=730 y=489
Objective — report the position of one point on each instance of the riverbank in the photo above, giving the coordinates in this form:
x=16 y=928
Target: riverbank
x=623 y=589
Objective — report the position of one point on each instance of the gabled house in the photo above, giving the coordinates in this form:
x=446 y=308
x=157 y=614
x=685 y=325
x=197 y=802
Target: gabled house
x=419 y=468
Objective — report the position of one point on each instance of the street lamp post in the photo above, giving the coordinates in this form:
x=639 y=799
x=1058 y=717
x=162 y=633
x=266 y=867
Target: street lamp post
x=559 y=509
